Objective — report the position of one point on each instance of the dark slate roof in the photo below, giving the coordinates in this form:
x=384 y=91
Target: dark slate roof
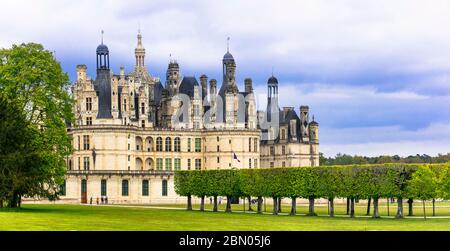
x=272 y=80
x=187 y=86
x=102 y=49
x=158 y=93
x=228 y=57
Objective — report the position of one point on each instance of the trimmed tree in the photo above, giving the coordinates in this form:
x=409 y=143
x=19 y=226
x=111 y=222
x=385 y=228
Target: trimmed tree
x=422 y=185
x=183 y=186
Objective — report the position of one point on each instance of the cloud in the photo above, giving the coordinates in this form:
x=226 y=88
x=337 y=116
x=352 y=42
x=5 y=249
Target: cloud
x=378 y=65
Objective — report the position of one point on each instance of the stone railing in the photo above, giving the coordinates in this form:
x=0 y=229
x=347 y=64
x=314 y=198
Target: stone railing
x=120 y=172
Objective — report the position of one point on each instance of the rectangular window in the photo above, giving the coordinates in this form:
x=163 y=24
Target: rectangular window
x=218 y=159
x=103 y=188
x=283 y=164
x=283 y=150
x=198 y=145
x=271 y=164
x=189 y=144
x=189 y=164
x=88 y=104
x=272 y=150
x=249 y=163
x=88 y=120
x=86 y=163
x=79 y=143
x=143 y=108
x=85 y=142
x=177 y=164
x=159 y=164
x=255 y=145
x=79 y=163
x=145 y=188
x=218 y=148
x=168 y=164
x=124 y=187
x=164 y=188
x=198 y=164
x=62 y=189
x=249 y=144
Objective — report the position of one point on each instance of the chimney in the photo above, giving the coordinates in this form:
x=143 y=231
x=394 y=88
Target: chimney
x=204 y=84
x=248 y=85
x=81 y=72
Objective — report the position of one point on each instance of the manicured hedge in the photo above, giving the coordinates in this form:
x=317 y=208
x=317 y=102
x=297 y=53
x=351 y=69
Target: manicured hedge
x=400 y=181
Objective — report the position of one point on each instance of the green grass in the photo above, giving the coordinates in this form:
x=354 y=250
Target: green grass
x=78 y=217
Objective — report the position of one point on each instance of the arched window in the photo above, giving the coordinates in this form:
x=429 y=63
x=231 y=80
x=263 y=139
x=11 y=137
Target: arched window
x=168 y=144
x=149 y=142
x=177 y=144
x=255 y=144
x=124 y=187
x=164 y=188
x=159 y=144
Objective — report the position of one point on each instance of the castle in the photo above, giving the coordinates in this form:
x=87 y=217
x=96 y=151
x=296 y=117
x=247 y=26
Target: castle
x=132 y=132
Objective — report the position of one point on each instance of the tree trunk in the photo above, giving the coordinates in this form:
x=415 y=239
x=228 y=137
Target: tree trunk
x=260 y=204
x=399 y=208
x=279 y=205
x=1 y=203
x=250 y=203
x=424 y=214
x=368 y=206
x=189 y=202
x=311 y=207
x=331 y=202
x=228 y=209
x=215 y=204
x=388 y=206
x=13 y=202
x=348 y=206
x=434 y=210
x=20 y=200
x=352 y=207
x=275 y=205
x=376 y=213
x=202 y=203
x=294 y=206
x=410 y=207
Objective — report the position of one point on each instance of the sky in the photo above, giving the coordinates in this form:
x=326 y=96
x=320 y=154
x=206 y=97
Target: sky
x=375 y=74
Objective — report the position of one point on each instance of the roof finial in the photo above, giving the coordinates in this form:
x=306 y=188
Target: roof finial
x=139 y=27
x=228 y=44
x=272 y=71
x=313 y=118
x=102 y=35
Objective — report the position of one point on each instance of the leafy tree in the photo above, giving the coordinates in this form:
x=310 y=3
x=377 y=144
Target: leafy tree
x=34 y=80
x=329 y=185
x=183 y=184
x=422 y=185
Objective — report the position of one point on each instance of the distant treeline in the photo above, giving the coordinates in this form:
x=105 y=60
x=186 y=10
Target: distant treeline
x=354 y=182
x=345 y=159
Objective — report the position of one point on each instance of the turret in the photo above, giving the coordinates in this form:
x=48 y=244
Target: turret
x=103 y=82
x=139 y=54
x=172 y=77
x=314 y=132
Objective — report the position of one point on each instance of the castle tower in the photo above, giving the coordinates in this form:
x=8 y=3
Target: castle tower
x=103 y=82
x=314 y=132
x=304 y=122
x=139 y=54
x=172 y=77
x=272 y=98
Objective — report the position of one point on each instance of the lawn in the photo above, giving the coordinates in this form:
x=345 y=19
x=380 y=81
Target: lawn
x=84 y=217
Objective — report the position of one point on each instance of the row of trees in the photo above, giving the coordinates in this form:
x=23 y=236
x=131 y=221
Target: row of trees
x=354 y=182
x=345 y=159
x=35 y=107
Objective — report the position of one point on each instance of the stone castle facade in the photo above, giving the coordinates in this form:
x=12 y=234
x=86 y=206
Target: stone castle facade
x=132 y=131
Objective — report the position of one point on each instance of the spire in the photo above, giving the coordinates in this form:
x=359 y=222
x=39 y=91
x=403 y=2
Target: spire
x=102 y=35
x=228 y=44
